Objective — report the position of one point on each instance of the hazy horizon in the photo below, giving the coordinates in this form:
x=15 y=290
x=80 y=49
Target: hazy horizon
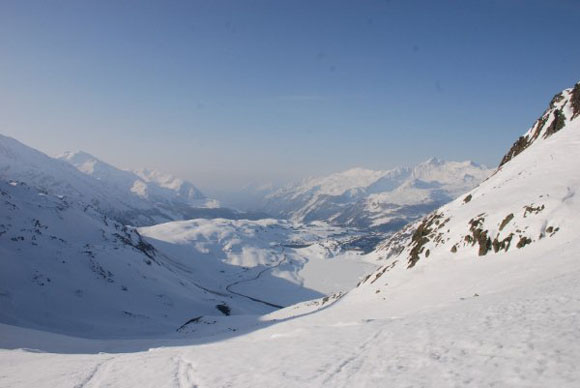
x=253 y=181
x=230 y=93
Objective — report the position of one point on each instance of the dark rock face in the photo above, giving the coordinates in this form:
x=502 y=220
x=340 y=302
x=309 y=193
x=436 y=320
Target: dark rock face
x=428 y=230
x=575 y=101
x=557 y=124
x=224 y=308
x=558 y=121
x=419 y=239
x=524 y=241
x=521 y=144
x=479 y=235
x=506 y=221
x=502 y=244
x=525 y=141
x=556 y=99
x=533 y=210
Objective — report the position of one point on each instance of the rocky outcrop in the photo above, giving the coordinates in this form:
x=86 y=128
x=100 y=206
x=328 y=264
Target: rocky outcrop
x=564 y=107
x=521 y=144
x=575 y=101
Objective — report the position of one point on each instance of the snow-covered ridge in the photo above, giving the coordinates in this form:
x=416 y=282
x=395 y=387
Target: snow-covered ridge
x=183 y=189
x=385 y=199
x=145 y=183
x=19 y=162
x=145 y=197
x=564 y=107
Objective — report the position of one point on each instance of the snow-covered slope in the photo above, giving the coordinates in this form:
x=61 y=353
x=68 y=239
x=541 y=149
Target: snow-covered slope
x=379 y=199
x=70 y=269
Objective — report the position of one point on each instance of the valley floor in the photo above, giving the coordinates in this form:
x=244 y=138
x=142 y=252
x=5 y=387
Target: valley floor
x=525 y=334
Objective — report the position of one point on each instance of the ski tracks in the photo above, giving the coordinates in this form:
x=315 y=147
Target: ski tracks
x=176 y=371
x=353 y=362
x=92 y=377
x=184 y=373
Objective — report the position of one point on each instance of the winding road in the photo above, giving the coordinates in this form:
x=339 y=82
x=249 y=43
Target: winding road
x=229 y=286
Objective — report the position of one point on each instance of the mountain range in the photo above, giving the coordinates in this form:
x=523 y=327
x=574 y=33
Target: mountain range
x=142 y=197
x=481 y=291
x=382 y=200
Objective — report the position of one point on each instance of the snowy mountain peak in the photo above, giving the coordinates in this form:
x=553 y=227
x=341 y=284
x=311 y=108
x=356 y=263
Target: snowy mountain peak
x=142 y=182
x=85 y=162
x=433 y=161
x=145 y=183
x=358 y=172
x=448 y=171
x=563 y=108
x=184 y=189
x=77 y=156
x=11 y=150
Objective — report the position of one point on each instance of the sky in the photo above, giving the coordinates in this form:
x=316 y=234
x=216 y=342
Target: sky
x=226 y=93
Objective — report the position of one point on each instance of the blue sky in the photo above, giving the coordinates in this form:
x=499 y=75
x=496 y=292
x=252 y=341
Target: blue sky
x=229 y=92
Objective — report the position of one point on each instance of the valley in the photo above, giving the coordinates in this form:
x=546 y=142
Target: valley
x=478 y=286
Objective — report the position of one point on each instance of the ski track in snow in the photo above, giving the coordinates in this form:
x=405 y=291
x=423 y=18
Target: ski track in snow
x=185 y=373
x=89 y=381
x=355 y=360
x=504 y=342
